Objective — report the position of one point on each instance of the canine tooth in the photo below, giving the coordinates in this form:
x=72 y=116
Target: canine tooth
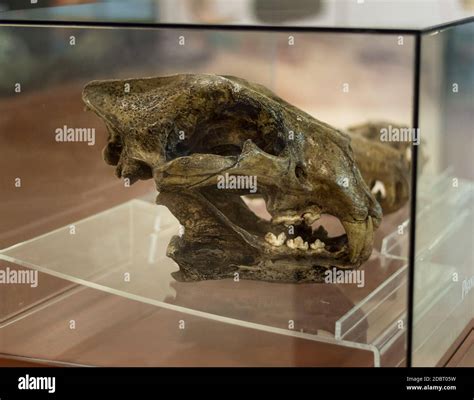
x=310 y=217
x=275 y=240
x=379 y=187
x=356 y=237
x=369 y=236
x=317 y=245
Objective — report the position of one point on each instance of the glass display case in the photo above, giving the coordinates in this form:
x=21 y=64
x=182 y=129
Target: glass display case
x=86 y=273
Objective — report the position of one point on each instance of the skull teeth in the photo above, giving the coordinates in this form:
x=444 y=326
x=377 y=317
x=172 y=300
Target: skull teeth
x=275 y=240
x=310 y=217
x=317 y=245
x=379 y=187
x=287 y=220
x=360 y=236
x=297 y=243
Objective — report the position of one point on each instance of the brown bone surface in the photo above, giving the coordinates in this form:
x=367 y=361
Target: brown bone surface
x=196 y=134
x=384 y=163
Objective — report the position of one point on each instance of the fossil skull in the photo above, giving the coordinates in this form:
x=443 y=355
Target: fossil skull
x=385 y=166
x=188 y=132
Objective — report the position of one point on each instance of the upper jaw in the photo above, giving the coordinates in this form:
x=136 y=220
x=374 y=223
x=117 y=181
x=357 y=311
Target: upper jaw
x=309 y=214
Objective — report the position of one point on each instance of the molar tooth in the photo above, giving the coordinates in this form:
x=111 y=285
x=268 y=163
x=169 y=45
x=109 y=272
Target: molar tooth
x=299 y=240
x=317 y=245
x=287 y=220
x=281 y=238
x=270 y=237
x=275 y=240
x=300 y=244
x=291 y=243
x=311 y=217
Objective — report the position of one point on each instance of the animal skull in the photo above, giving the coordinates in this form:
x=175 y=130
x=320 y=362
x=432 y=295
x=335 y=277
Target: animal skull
x=187 y=132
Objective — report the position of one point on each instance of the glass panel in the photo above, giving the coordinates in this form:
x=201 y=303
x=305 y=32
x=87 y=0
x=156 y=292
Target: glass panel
x=101 y=244
x=444 y=265
x=375 y=14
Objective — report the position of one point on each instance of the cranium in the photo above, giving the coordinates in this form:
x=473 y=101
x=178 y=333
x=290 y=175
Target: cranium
x=187 y=132
x=385 y=166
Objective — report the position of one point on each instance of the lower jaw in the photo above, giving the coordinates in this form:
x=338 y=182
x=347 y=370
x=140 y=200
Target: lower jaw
x=221 y=249
x=223 y=266
x=212 y=261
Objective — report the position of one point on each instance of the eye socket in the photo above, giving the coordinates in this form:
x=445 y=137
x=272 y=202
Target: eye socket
x=300 y=172
x=279 y=145
x=116 y=147
x=111 y=153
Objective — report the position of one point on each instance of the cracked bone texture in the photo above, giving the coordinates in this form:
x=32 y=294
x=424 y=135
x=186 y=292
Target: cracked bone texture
x=185 y=131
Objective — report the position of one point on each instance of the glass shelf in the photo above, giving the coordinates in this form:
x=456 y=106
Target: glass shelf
x=122 y=252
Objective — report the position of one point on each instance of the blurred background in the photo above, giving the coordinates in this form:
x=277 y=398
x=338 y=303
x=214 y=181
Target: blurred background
x=362 y=13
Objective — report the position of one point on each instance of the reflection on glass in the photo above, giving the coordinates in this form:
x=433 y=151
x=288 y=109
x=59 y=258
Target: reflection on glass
x=444 y=265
